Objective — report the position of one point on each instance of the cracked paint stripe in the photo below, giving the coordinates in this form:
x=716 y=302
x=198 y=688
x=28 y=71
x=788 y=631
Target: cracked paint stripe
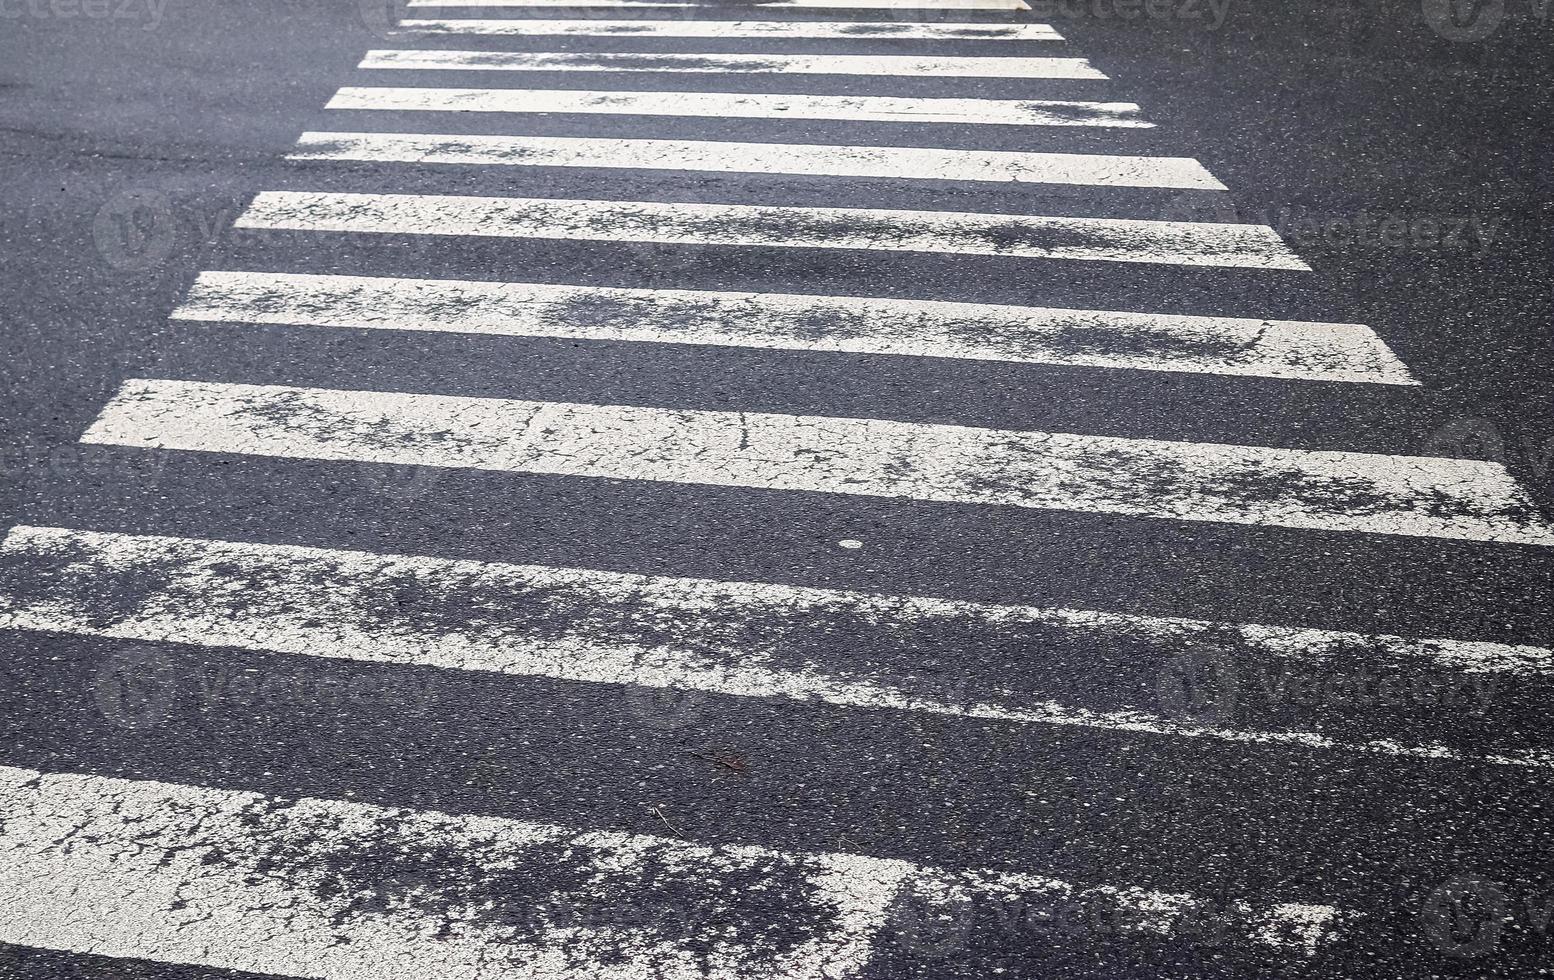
x=754 y=29
x=724 y=105
x=745 y=8
x=740 y=639
x=1185 y=243
x=1236 y=346
x=870 y=65
x=342 y=890
x=1187 y=481
x=806 y=159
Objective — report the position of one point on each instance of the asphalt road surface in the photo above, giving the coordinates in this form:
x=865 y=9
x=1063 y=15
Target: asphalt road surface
x=862 y=488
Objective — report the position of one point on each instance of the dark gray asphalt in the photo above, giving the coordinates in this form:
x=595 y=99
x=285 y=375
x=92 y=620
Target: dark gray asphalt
x=1325 y=123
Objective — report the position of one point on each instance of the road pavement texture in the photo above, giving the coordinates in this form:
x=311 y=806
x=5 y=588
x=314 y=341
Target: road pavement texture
x=817 y=489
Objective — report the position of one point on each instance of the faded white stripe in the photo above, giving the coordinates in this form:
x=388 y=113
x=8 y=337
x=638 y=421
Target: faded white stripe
x=1012 y=235
x=872 y=65
x=344 y=891
x=741 y=639
x=209 y=583
x=807 y=159
x=745 y=8
x=721 y=105
x=758 y=29
x=1289 y=349
x=1295 y=488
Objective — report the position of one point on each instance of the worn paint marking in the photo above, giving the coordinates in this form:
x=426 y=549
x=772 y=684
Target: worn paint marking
x=1259 y=485
x=1237 y=346
x=343 y=891
x=808 y=159
x=944 y=66
x=751 y=29
x=722 y=105
x=739 y=639
x=947 y=232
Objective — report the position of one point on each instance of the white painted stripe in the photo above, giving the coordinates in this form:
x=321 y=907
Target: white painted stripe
x=726 y=105
x=872 y=65
x=809 y=159
x=756 y=29
x=1295 y=488
x=742 y=639
x=343 y=890
x=745 y=8
x=210 y=588
x=1289 y=349
x=952 y=232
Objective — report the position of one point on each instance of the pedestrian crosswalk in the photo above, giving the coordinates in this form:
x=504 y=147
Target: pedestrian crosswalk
x=218 y=875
